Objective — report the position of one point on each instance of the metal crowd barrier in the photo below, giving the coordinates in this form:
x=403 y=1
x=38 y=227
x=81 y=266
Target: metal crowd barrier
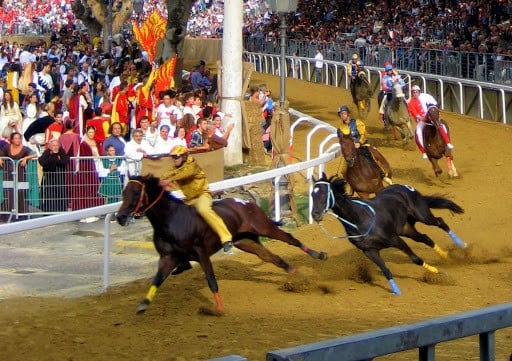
x=27 y=191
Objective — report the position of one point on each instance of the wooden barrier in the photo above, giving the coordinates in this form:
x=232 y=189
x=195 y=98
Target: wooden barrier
x=212 y=164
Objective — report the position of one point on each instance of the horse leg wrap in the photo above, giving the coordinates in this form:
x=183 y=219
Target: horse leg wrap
x=430 y=268
x=218 y=302
x=151 y=293
x=457 y=240
x=394 y=287
x=440 y=252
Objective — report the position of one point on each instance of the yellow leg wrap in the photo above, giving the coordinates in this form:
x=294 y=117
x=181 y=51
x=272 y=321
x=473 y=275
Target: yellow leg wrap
x=440 y=252
x=151 y=293
x=430 y=268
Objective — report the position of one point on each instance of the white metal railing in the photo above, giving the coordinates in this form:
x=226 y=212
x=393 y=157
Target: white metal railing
x=340 y=79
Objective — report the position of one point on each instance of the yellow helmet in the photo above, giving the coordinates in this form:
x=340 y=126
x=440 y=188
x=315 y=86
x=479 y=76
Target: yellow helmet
x=355 y=56
x=179 y=150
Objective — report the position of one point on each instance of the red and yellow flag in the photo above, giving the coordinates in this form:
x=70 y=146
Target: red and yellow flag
x=152 y=30
x=164 y=79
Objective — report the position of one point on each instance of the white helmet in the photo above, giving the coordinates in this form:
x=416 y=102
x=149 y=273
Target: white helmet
x=416 y=87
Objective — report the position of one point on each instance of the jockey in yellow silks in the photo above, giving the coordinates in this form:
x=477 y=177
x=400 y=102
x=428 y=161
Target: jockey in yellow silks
x=354 y=66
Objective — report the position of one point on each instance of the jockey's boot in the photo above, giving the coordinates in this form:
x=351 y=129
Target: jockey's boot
x=182 y=267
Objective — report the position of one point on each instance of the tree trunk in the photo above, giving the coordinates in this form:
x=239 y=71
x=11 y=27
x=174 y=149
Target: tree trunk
x=94 y=13
x=178 y=12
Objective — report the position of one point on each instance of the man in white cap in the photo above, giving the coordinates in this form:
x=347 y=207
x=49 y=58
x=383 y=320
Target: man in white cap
x=418 y=106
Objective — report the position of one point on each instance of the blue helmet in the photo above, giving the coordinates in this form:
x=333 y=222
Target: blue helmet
x=388 y=67
x=343 y=108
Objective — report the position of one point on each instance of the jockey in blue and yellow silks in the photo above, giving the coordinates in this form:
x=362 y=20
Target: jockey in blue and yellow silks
x=357 y=129
x=354 y=127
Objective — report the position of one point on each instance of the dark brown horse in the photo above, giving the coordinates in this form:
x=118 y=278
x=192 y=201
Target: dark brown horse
x=435 y=145
x=361 y=93
x=181 y=235
x=366 y=167
x=378 y=223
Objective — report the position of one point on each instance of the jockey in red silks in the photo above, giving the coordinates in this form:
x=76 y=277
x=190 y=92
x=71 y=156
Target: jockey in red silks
x=418 y=106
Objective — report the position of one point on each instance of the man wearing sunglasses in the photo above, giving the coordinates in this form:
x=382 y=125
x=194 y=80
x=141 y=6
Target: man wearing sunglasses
x=191 y=179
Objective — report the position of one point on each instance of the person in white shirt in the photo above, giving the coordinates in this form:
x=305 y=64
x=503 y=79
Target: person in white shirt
x=134 y=150
x=164 y=142
x=319 y=64
x=167 y=113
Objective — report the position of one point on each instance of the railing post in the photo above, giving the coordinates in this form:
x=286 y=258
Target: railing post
x=487 y=351
x=427 y=353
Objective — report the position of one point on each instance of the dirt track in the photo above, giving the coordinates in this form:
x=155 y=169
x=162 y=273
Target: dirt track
x=327 y=299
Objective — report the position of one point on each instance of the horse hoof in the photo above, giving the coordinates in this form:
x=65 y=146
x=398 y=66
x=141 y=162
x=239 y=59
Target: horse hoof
x=322 y=256
x=142 y=307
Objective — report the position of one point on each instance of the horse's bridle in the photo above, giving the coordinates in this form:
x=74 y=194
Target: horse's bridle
x=330 y=203
x=144 y=195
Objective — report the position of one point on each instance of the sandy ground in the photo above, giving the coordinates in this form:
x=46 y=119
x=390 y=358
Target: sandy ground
x=267 y=309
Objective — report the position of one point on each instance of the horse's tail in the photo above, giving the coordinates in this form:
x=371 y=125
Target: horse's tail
x=437 y=202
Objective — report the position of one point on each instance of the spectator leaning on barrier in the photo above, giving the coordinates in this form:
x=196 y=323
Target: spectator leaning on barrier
x=54 y=160
x=136 y=149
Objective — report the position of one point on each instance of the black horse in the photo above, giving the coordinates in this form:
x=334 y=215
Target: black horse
x=181 y=235
x=378 y=223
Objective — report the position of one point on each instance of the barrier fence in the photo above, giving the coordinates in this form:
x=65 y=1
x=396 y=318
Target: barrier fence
x=27 y=191
x=474 y=97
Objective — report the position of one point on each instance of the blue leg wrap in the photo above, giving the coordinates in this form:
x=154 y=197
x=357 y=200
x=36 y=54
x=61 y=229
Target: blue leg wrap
x=457 y=240
x=395 y=288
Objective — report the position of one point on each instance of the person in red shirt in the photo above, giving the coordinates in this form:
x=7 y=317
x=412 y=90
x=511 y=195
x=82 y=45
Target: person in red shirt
x=102 y=125
x=121 y=108
x=145 y=99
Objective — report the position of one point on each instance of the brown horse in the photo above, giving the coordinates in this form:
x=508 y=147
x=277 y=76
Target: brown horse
x=366 y=167
x=435 y=145
x=361 y=93
x=181 y=235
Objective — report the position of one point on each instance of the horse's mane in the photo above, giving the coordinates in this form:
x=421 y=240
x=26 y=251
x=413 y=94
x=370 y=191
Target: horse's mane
x=337 y=184
x=149 y=180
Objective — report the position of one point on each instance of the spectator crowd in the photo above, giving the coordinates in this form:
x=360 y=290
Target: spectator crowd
x=90 y=118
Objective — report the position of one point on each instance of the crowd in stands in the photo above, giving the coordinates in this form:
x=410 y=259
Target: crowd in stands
x=35 y=16
x=453 y=25
x=442 y=24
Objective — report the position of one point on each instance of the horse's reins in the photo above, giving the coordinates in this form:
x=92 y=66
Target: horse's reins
x=330 y=203
x=143 y=194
